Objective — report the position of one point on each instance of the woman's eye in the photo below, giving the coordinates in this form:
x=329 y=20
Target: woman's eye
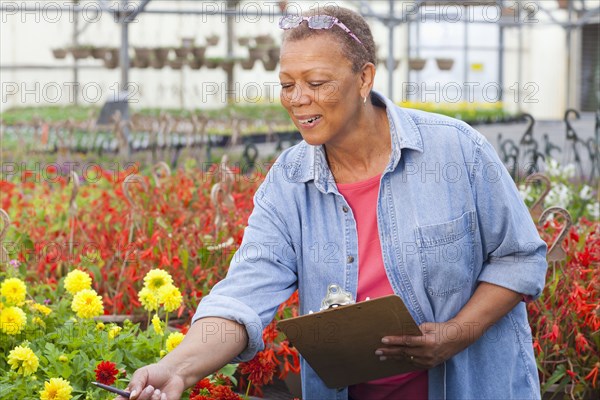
x=315 y=84
x=286 y=85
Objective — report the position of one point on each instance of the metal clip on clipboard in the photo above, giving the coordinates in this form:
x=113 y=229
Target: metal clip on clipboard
x=336 y=296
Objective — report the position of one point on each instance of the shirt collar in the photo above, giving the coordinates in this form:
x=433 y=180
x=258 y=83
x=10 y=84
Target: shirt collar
x=311 y=163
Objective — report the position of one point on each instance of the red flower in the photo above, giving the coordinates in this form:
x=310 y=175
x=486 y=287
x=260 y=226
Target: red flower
x=224 y=393
x=202 y=384
x=260 y=369
x=106 y=372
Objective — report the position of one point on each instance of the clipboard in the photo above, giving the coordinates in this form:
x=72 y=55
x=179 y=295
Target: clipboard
x=339 y=343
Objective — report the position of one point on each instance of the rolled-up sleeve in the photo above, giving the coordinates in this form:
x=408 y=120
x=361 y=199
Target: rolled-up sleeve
x=261 y=276
x=514 y=255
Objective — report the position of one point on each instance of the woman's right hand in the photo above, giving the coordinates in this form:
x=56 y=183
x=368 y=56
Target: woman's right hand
x=155 y=382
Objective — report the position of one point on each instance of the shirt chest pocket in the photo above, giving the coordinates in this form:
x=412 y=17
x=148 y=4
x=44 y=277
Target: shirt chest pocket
x=446 y=252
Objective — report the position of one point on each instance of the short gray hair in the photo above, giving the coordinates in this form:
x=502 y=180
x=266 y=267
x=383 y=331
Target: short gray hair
x=354 y=51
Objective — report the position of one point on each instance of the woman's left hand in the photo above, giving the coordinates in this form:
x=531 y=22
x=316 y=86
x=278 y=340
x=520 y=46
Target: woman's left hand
x=439 y=342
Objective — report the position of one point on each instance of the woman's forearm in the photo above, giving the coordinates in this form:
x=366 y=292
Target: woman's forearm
x=488 y=304
x=209 y=345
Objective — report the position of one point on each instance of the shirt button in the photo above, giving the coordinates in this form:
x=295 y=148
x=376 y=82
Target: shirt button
x=345 y=209
x=350 y=259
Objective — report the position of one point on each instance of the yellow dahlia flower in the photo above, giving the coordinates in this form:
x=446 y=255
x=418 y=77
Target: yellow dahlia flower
x=173 y=340
x=149 y=299
x=12 y=320
x=24 y=360
x=170 y=296
x=114 y=331
x=56 y=389
x=13 y=290
x=157 y=325
x=157 y=278
x=87 y=304
x=41 y=308
x=77 y=280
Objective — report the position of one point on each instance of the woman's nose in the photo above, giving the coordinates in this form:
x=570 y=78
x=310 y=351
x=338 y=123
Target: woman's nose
x=298 y=96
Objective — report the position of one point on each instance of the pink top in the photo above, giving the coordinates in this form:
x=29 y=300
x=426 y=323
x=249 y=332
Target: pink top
x=373 y=282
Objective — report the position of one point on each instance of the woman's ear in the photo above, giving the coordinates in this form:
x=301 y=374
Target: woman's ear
x=367 y=79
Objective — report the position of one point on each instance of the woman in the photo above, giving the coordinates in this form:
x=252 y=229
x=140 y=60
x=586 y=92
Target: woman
x=378 y=200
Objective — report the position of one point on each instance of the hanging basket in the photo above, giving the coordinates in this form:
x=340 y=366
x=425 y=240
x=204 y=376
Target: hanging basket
x=257 y=53
x=227 y=65
x=212 y=63
x=264 y=40
x=212 y=40
x=99 y=52
x=445 y=64
x=199 y=52
x=270 y=65
x=157 y=64
x=247 y=64
x=143 y=53
x=80 y=53
x=176 y=64
x=59 y=53
x=196 y=63
x=162 y=53
x=417 y=64
x=273 y=52
x=244 y=41
x=182 y=52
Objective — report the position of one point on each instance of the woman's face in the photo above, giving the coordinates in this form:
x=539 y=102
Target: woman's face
x=319 y=89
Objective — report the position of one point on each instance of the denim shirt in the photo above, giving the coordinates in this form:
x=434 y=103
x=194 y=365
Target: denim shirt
x=449 y=217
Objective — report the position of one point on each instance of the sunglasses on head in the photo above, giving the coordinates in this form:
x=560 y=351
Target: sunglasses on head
x=315 y=22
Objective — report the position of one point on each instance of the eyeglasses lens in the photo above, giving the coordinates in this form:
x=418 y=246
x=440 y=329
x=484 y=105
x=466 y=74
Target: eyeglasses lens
x=321 y=22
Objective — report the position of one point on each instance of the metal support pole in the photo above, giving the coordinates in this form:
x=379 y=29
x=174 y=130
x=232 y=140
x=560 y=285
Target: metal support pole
x=466 y=58
x=75 y=87
x=231 y=4
x=390 y=59
x=124 y=59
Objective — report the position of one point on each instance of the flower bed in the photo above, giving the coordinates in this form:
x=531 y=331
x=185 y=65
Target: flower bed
x=146 y=251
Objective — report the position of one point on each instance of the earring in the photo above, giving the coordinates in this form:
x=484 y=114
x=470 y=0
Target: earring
x=365 y=100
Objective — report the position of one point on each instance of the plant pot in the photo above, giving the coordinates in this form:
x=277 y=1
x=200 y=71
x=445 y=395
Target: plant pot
x=444 y=64
x=227 y=65
x=176 y=64
x=273 y=53
x=99 y=52
x=143 y=53
x=417 y=64
x=270 y=65
x=111 y=63
x=196 y=63
x=257 y=53
x=212 y=40
x=244 y=41
x=247 y=64
x=162 y=53
x=264 y=40
x=212 y=63
x=157 y=64
x=199 y=52
x=182 y=52
x=140 y=63
x=59 y=53
x=80 y=53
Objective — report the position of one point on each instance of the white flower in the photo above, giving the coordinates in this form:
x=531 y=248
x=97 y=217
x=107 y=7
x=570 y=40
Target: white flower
x=594 y=210
x=586 y=193
x=559 y=196
x=525 y=192
x=552 y=168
